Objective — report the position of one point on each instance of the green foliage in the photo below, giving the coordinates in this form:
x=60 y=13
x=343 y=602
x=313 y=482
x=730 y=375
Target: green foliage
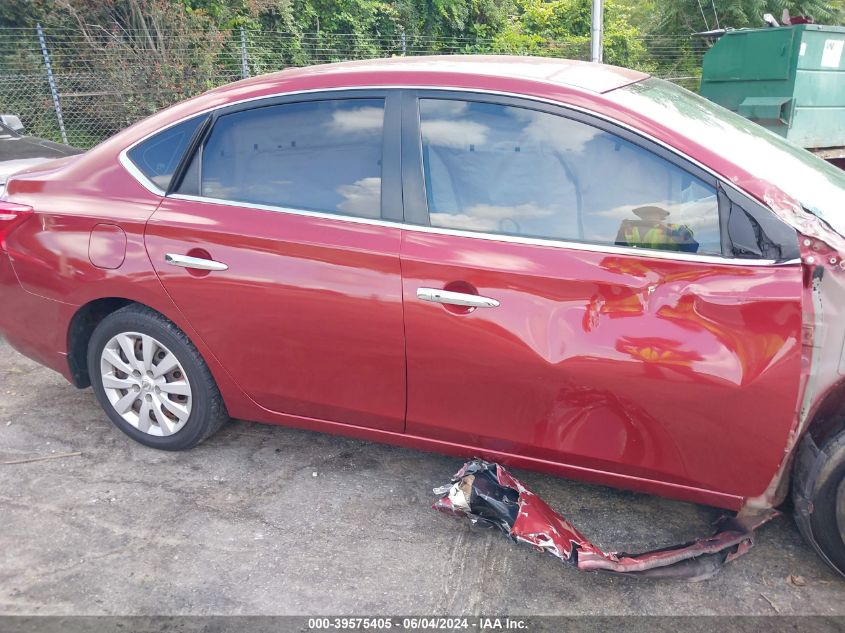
x=690 y=16
x=23 y=13
x=131 y=57
x=667 y=26
x=540 y=22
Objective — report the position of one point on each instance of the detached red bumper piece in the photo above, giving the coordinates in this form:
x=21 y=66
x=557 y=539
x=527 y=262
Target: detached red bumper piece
x=489 y=495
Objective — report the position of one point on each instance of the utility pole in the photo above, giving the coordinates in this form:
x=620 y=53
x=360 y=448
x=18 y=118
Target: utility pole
x=597 y=31
x=244 y=56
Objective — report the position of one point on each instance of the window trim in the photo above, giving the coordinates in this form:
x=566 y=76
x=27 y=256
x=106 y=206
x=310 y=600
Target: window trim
x=494 y=237
x=403 y=90
x=416 y=200
x=391 y=188
x=774 y=228
x=194 y=146
x=136 y=170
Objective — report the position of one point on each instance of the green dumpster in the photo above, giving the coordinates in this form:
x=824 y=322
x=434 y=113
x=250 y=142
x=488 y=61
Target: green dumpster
x=789 y=79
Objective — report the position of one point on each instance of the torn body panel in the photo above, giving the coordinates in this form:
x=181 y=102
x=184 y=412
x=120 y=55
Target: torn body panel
x=803 y=192
x=823 y=335
x=489 y=495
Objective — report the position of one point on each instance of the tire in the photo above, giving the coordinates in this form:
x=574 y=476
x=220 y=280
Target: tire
x=818 y=495
x=176 y=403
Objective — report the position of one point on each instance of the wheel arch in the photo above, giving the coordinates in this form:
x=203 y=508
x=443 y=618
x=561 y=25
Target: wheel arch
x=81 y=327
x=816 y=462
x=828 y=419
x=88 y=315
x=829 y=415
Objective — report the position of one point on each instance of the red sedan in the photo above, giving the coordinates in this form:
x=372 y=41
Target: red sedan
x=556 y=265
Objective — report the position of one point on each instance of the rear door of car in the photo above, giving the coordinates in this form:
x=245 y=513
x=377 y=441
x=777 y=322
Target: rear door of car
x=272 y=243
x=548 y=315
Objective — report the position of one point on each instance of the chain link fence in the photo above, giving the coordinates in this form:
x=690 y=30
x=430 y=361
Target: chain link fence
x=80 y=86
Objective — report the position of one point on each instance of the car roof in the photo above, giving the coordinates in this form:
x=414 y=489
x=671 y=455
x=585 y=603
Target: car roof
x=583 y=75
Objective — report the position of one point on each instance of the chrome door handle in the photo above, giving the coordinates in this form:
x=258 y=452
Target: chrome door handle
x=455 y=298
x=198 y=263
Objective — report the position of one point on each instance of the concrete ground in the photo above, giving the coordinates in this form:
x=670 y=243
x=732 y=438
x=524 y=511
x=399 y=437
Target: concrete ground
x=270 y=520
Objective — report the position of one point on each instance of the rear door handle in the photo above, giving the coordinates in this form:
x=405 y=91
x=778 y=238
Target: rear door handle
x=185 y=261
x=455 y=298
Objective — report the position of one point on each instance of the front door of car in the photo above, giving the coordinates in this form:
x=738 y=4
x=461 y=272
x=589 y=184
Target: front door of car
x=273 y=249
x=569 y=297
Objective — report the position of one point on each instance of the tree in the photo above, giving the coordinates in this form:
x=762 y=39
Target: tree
x=547 y=26
x=682 y=17
x=668 y=27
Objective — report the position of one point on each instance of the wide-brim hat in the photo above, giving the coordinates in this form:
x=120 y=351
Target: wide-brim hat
x=649 y=211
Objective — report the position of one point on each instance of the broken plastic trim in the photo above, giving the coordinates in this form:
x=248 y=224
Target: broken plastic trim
x=489 y=495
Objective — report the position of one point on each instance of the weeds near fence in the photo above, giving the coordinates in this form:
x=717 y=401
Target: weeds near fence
x=108 y=77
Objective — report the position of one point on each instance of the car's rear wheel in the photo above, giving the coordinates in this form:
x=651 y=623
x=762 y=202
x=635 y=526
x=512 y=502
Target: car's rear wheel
x=818 y=493
x=152 y=382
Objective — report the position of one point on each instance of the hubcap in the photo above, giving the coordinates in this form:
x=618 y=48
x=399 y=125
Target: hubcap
x=145 y=383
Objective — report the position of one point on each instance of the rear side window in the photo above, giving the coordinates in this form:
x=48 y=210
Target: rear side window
x=158 y=156
x=516 y=171
x=315 y=155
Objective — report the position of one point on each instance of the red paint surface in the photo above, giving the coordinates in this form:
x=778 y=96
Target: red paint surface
x=676 y=371
x=667 y=377
x=308 y=318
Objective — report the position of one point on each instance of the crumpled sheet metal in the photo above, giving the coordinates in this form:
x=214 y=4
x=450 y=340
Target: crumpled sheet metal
x=823 y=257
x=489 y=495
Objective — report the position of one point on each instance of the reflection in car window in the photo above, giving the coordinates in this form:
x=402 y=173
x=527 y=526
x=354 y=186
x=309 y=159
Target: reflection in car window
x=818 y=185
x=159 y=155
x=315 y=155
x=515 y=171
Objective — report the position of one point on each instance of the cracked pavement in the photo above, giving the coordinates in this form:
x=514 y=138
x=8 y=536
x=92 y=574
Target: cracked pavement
x=270 y=520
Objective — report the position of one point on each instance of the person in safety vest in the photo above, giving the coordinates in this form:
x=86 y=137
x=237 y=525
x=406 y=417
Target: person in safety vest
x=652 y=231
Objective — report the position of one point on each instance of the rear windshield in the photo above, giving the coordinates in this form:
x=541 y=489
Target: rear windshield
x=816 y=184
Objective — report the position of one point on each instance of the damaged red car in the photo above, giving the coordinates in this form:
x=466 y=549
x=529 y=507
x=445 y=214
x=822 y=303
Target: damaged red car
x=554 y=265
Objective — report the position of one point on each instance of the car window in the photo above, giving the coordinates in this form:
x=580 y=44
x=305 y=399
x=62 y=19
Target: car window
x=516 y=171
x=158 y=156
x=314 y=155
x=818 y=185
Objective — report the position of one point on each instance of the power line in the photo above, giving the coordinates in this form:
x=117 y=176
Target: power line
x=715 y=15
x=704 y=17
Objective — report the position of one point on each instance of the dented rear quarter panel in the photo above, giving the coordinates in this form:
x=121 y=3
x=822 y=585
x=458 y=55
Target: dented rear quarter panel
x=48 y=275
